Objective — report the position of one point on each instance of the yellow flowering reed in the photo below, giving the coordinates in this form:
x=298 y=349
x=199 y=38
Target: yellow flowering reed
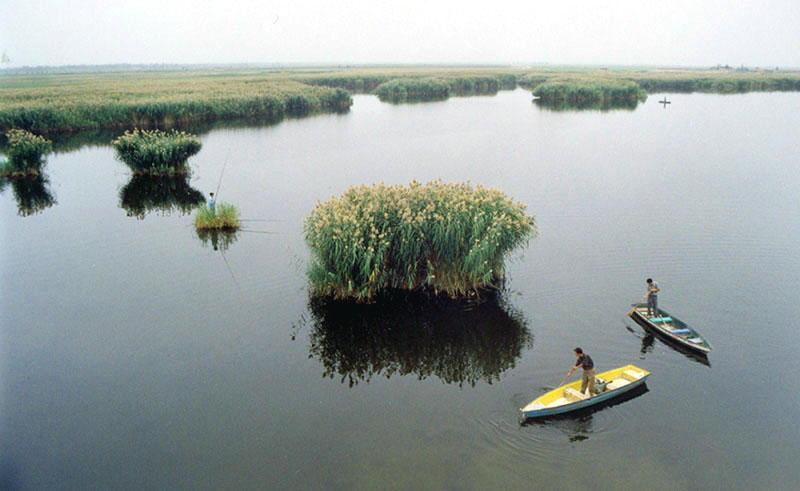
x=450 y=238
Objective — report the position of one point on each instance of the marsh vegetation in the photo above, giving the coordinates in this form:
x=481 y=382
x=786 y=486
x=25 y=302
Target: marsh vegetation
x=223 y=216
x=587 y=90
x=156 y=152
x=77 y=101
x=448 y=238
x=25 y=152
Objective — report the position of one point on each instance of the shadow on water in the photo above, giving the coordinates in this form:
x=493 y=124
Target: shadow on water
x=603 y=106
x=648 y=341
x=219 y=240
x=412 y=99
x=32 y=193
x=578 y=424
x=65 y=142
x=457 y=341
x=143 y=194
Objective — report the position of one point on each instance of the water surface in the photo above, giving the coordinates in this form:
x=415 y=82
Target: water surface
x=135 y=354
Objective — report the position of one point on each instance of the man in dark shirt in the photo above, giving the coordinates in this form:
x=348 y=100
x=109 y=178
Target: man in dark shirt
x=584 y=361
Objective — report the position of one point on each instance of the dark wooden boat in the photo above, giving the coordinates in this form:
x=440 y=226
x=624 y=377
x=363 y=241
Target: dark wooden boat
x=671 y=329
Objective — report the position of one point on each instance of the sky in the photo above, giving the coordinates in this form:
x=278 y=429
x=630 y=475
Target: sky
x=697 y=33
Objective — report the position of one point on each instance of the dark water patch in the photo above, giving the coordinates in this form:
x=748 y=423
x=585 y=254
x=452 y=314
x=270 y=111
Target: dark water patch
x=145 y=194
x=460 y=342
x=603 y=106
x=218 y=240
x=32 y=193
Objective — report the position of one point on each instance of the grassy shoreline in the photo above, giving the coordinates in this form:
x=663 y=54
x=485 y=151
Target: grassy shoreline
x=71 y=102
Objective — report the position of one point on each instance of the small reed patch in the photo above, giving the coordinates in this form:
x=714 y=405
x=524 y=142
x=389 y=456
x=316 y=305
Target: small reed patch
x=156 y=152
x=26 y=154
x=224 y=217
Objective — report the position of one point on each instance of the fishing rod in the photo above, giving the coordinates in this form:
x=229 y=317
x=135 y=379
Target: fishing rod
x=216 y=194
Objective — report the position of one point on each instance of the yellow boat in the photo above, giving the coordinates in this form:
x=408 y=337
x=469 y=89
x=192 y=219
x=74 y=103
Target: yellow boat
x=568 y=397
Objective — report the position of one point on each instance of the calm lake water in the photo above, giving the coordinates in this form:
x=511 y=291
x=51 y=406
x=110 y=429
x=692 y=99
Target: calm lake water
x=133 y=354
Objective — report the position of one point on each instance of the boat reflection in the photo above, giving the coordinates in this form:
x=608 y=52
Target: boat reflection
x=32 y=193
x=144 y=194
x=648 y=342
x=457 y=341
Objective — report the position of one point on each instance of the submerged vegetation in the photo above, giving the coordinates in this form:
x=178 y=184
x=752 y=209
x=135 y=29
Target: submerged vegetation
x=449 y=238
x=156 y=152
x=224 y=217
x=26 y=153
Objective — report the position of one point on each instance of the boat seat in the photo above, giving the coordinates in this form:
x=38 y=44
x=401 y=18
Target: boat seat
x=572 y=394
x=617 y=383
x=631 y=375
x=680 y=331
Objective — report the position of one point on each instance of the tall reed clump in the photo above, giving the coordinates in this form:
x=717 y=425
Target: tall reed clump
x=156 y=152
x=589 y=90
x=25 y=152
x=413 y=88
x=449 y=238
x=224 y=217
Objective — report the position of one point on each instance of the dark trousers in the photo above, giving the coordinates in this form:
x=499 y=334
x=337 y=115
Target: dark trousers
x=652 y=305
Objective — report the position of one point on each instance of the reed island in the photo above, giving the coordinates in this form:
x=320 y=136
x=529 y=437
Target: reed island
x=156 y=152
x=26 y=154
x=451 y=239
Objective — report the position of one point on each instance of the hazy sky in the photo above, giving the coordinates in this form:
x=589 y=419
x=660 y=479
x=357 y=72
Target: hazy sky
x=762 y=33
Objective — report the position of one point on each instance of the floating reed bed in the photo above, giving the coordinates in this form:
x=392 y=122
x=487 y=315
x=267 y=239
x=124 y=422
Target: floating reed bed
x=225 y=217
x=413 y=88
x=156 y=152
x=588 y=90
x=26 y=154
x=438 y=87
x=448 y=238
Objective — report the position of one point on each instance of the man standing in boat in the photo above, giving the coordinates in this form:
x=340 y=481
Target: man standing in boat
x=584 y=361
x=652 y=298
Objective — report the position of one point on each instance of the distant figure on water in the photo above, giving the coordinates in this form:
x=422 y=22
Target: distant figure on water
x=212 y=203
x=584 y=361
x=652 y=297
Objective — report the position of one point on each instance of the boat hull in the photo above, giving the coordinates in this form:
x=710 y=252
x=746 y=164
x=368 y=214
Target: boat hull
x=662 y=331
x=528 y=413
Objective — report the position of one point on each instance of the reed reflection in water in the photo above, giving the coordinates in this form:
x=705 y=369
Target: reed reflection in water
x=32 y=193
x=455 y=340
x=219 y=240
x=143 y=194
x=604 y=106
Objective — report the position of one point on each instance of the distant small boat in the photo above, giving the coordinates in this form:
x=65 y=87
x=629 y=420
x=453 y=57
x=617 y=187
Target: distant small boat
x=671 y=329
x=665 y=101
x=569 y=398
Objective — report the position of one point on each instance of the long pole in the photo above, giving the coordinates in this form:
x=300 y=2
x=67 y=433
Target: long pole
x=216 y=194
x=636 y=304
